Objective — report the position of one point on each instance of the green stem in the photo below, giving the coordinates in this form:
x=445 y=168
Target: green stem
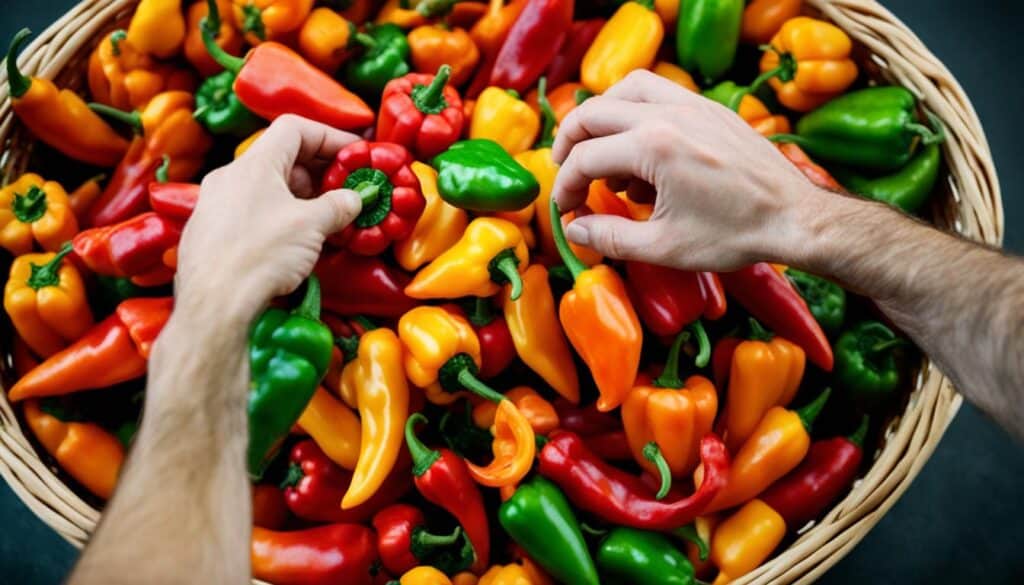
x=857 y=438
x=425 y=539
x=116 y=38
x=689 y=533
x=669 y=377
x=514 y=93
x=471 y=383
x=44 y=275
x=252 y=21
x=429 y=99
x=212 y=20
x=591 y=531
x=648 y=4
x=785 y=70
x=219 y=55
x=422 y=456
x=367 y=41
x=703 y=344
x=653 y=454
x=133 y=118
x=481 y=313
x=293 y=476
x=310 y=305
x=368 y=192
x=547 y=133
x=794 y=138
x=16 y=81
x=887 y=345
x=581 y=95
x=509 y=266
x=810 y=412
x=928 y=135
x=31 y=206
x=757 y=331
x=349 y=347
x=572 y=262
x=161 y=171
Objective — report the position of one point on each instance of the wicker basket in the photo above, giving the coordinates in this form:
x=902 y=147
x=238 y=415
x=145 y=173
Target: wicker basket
x=972 y=207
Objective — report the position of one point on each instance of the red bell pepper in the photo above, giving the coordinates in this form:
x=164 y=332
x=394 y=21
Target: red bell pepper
x=771 y=299
x=325 y=555
x=497 y=350
x=621 y=498
x=565 y=66
x=138 y=248
x=443 y=478
x=268 y=507
x=422 y=113
x=174 y=200
x=362 y=285
x=404 y=542
x=392 y=200
x=532 y=43
x=667 y=300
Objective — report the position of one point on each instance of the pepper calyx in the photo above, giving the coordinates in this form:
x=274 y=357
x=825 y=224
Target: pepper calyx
x=31 y=206
x=653 y=454
x=504 y=268
x=309 y=308
x=689 y=533
x=374 y=189
x=252 y=21
x=423 y=542
x=44 y=275
x=133 y=118
x=291 y=479
x=809 y=413
x=429 y=99
x=857 y=438
x=460 y=374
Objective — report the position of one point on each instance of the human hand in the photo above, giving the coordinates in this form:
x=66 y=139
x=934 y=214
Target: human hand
x=724 y=196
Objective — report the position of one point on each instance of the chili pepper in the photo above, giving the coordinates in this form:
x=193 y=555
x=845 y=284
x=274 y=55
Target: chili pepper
x=421 y=112
x=288 y=356
x=136 y=248
x=565 y=65
x=84 y=195
x=385 y=57
x=59 y=117
x=442 y=477
x=362 y=285
x=157 y=28
x=707 y=34
x=404 y=542
x=327 y=39
x=865 y=365
x=45 y=299
x=762 y=19
x=544 y=170
x=514 y=448
x=269 y=20
x=224 y=31
x=825 y=299
x=721 y=357
x=744 y=540
x=814 y=172
x=668 y=300
x=503 y=118
x=531 y=43
x=174 y=200
x=439 y=227
x=32 y=211
x=335 y=553
x=770 y=298
x=490 y=253
x=121 y=76
x=600 y=322
x=629 y=40
x=496 y=347
x=675 y=74
x=640 y=556
x=908 y=189
x=539 y=412
x=219 y=109
x=824 y=68
x=112 y=351
x=774 y=448
x=87 y=452
x=489 y=34
x=268 y=507
x=334 y=428
x=398 y=13
x=432 y=46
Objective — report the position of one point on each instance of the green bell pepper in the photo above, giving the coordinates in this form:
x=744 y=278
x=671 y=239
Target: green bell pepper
x=628 y=555
x=478 y=175
x=538 y=517
x=825 y=299
x=219 y=109
x=386 y=56
x=873 y=128
x=707 y=34
x=908 y=188
x=288 y=356
x=865 y=365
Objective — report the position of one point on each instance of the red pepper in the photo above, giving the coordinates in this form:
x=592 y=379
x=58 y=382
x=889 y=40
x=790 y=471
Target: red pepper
x=404 y=543
x=362 y=285
x=532 y=43
x=268 y=507
x=137 y=248
x=174 y=200
x=566 y=64
x=812 y=170
x=422 y=113
x=827 y=471
x=721 y=359
x=585 y=421
x=125 y=194
x=315 y=485
x=443 y=479
x=667 y=300
x=610 y=446
x=392 y=200
x=771 y=299
x=621 y=498
x=497 y=350
x=325 y=555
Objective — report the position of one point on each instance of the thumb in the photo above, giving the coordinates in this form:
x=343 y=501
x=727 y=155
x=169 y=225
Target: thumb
x=613 y=236
x=335 y=209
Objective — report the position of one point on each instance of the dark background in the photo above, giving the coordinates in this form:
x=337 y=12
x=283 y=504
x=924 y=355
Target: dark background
x=960 y=520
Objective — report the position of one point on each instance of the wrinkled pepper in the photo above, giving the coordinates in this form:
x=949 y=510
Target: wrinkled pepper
x=531 y=43
x=744 y=540
x=224 y=33
x=762 y=19
x=269 y=20
x=404 y=542
x=865 y=364
x=140 y=248
x=629 y=41
x=334 y=428
x=908 y=189
x=439 y=227
x=502 y=117
x=707 y=34
x=514 y=448
x=324 y=555
x=422 y=113
x=123 y=77
x=157 y=28
x=539 y=412
x=667 y=300
x=327 y=39
x=565 y=66
x=362 y=285
x=628 y=555
x=432 y=46
x=33 y=210
x=825 y=299
x=385 y=57
x=823 y=65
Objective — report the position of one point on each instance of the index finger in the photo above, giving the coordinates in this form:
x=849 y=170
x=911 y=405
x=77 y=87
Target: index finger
x=292 y=140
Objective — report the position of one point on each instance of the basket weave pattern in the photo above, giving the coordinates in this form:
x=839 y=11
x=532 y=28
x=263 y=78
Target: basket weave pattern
x=973 y=208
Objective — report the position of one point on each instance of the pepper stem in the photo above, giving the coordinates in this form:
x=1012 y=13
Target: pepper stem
x=547 y=133
x=368 y=192
x=794 y=138
x=581 y=95
x=292 y=478
x=591 y=531
x=349 y=347
x=689 y=533
x=116 y=38
x=16 y=80
x=648 y=4
x=810 y=412
x=572 y=261
x=669 y=377
x=887 y=345
x=470 y=382
x=422 y=456
x=426 y=540
x=212 y=20
x=857 y=438
x=429 y=99
x=31 y=206
x=252 y=21
x=133 y=118
x=367 y=41
x=757 y=331
x=703 y=344
x=161 y=171
x=653 y=454
x=509 y=267
x=928 y=135
x=44 y=275
x=365 y=323
x=218 y=54
x=481 y=314
x=310 y=305
x=784 y=71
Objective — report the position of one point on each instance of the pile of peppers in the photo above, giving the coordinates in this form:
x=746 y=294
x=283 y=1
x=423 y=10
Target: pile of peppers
x=459 y=395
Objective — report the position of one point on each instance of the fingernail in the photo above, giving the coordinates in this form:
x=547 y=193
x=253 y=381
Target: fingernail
x=578 y=233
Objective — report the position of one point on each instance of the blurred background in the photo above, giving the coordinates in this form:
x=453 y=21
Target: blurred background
x=959 y=521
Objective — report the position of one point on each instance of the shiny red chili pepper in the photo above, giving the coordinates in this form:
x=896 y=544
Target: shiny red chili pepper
x=404 y=542
x=566 y=64
x=325 y=555
x=422 y=113
x=667 y=300
x=174 y=200
x=138 y=248
x=532 y=43
x=362 y=285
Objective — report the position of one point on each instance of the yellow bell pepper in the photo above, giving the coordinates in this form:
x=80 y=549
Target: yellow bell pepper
x=33 y=210
x=629 y=40
x=334 y=427
x=744 y=540
x=505 y=575
x=675 y=74
x=158 y=28
x=504 y=118
x=824 y=68
x=438 y=228
x=424 y=575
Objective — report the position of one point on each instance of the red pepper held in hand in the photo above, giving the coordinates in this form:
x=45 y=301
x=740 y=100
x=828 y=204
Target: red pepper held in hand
x=362 y=285
x=139 y=248
x=532 y=43
x=325 y=555
x=422 y=113
x=404 y=543
x=565 y=66
x=668 y=299
x=174 y=200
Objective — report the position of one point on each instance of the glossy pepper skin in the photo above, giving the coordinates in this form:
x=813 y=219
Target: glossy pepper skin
x=157 y=28
x=514 y=448
x=174 y=200
x=45 y=299
x=825 y=299
x=531 y=43
x=123 y=77
x=565 y=65
x=139 y=248
x=404 y=542
x=288 y=356
x=503 y=118
x=543 y=168
x=224 y=32
x=432 y=46
x=540 y=520
x=362 y=285
x=630 y=40
x=629 y=555
x=675 y=74
x=324 y=555
x=744 y=540
x=219 y=109
x=327 y=39
x=496 y=348
x=865 y=365
x=84 y=195
x=762 y=19
x=707 y=34
x=823 y=65
x=112 y=351
x=334 y=427
x=263 y=20
x=538 y=411
x=59 y=117
x=439 y=227
x=422 y=113
x=489 y=34
x=33 y=210
x=667 y=300
x=907 y=189
x=385 y=57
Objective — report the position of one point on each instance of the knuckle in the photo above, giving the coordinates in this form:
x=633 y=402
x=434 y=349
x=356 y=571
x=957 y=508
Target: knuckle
x=640 y=76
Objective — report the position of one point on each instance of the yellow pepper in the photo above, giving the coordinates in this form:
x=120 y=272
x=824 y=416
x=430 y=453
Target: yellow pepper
x=424 y=575
x=158 y=28
x=269 y=20
x=325 y=39
x=438 y=228
x=629 y=40
x=245 y=144
x=465 y=578
x=33 y=210
x=744 y=540
x=490 y=253
x=523 y=219
x=668 y=10
x=675 y=74
x=514 y=449
x=394 y=13
x=824 y=68
x=334 y=427
x=504 y=118
x=123 y=77
x=539 y=412
x=505 y=575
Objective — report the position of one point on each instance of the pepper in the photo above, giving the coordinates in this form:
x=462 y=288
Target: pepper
x=675 y=74
x=327 y=39
x=496 y=347
x=268 y=507
x=490 y=253
x=814 y=172
x=112 y=351
x=538 y=517
x=224 y=32
x=334 y=428
x=585 y=421
x=562 y=99
x=362 y=285
x=762 y=19
x=514 y=448
x=865 y=365
x=157 y=28
x=398 y=13
x=744 y=540
x=600 y=322
x=629 y=40
x=825 y=299
x=443 y=479
x=219 y=109
x=385 y=57
x=426 y=575
x=539 y=412
x=421 y=112
x=84 y=195
x=432 y=46
x=823 y=65
x=174 y=200
x=392 y=200
x=32 y=211
x=707 y=34
x=404 y=542
x=123 y=77
x=531 y=43
x=269 y=20
x=503 y=118
x=489 y=34
x=59 y=117
x=544 y=170
x=908 y=189
x=511 y=574
x=668 y=300
x=335 y=553
x=138 y=248
x=565 y=65
x=245 y=144
x=288 y=356
x=629 y=555
x=439 y=227
x=769 y=297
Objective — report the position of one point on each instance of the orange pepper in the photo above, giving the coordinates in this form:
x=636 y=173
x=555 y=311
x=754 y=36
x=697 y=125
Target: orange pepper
x=334 y=427
x=84 y=195
x=824 y=68
x=464 y=578
x=394 y=13
x=269 y=20
x=538 y=411
x=433 y=45
x=32 y=211
x=465 y=14
x=325 y=39
x=157 y=28
x=675 y=74
x=523 y=219
x=760 y=118
x=123 y=77
x=22 y=358
x=744 y=540
x=423 y=575
x=668 y=10
x=506 y=575
x=544 y=169
x=563 y=99
x=514 y=449
x=489 y=32
x=227 y=37
x=762 y=19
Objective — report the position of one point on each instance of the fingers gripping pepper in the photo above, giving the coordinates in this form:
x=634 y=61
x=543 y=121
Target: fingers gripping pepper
x=363 y=285
x=434 y=45
x=865 y=364
x=823 y=65
x=137 y=248
x=385 y=57
x=502 y=117
x=707 y=34
x=640 y=556
x=335 y=553
x=439 y=227
x=404 y=542
x=421 y=112
x=158 y=28
x=629 y=41
x=121 y=76
x=174 y=200
x=35 y=211
x=269 y=20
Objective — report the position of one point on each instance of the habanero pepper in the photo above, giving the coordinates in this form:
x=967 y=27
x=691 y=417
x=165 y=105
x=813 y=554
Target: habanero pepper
x=744 y=540
x=385 y=57
x=502 y=117
x=667 y=300
x=157 y=28
x=823 y=66
x=825 y=299
x=439 y=227
x=269 y=20
x=432 y=46
x=327 y=39
x=907 y=189
x=334 y=427
x=362 y=285
x=707 y=34
x=565 y=66
x=324 y=555
x=532 y=42
x=139 y=248
x=404 y=542
x=865 y=365
x=422 y=112
x=496 y=347
x=224 y=33
x=122 y=77
x=628 y=41
x=640 y=556
x=33 y=210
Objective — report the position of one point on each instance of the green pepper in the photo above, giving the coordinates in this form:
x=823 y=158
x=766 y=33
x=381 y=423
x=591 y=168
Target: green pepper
x=873 y=128
x=707 y=34
x=825 y=299
x=865 y=364
x=540 y=520
x=907 y=189
x=288 y=356
x=628 y=555
x=478 y=175
x=730 y=94
x=386 y=57
x=219 y=109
